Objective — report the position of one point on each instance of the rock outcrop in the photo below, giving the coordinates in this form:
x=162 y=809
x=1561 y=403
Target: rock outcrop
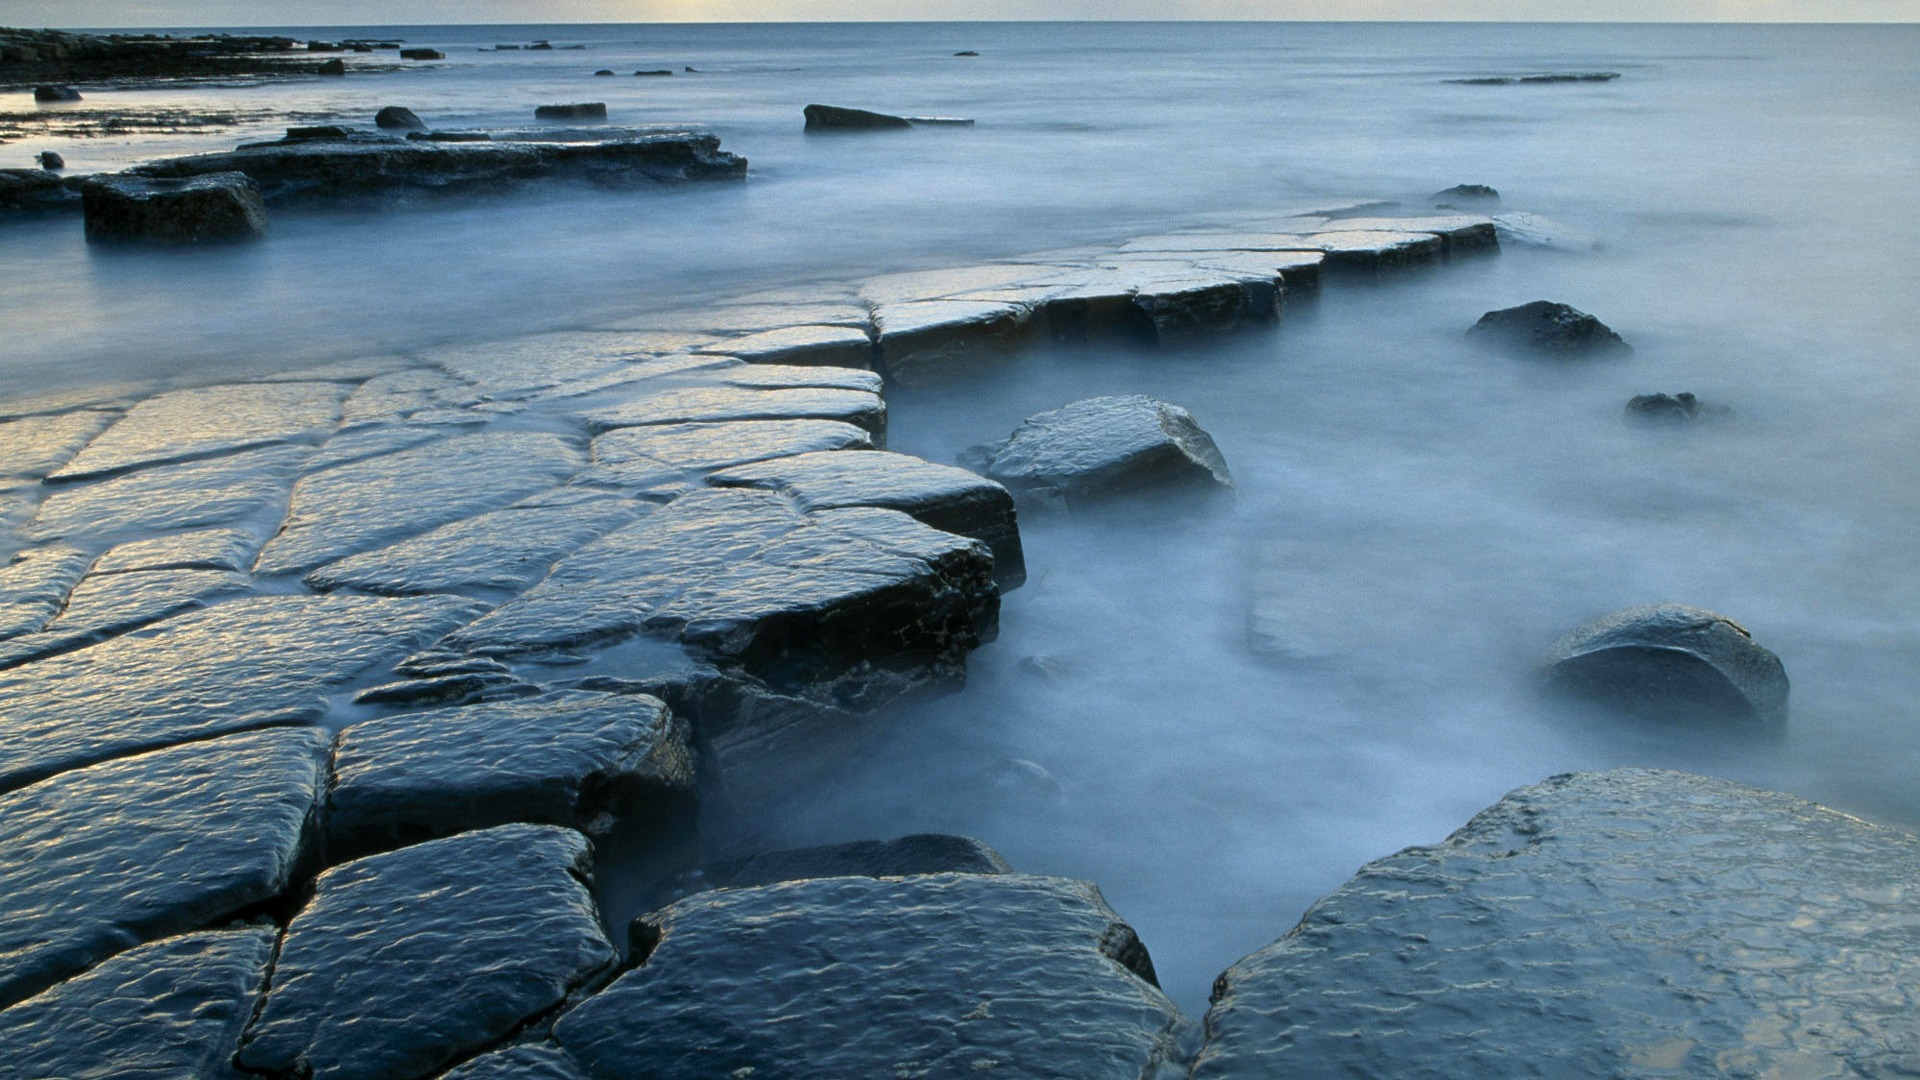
x=1626 y=923
x=836 y=118
x=1082 y=453
x=212 y=207
x=1671 y=661
x=398 y=118
x=1673 y=408
x=1546 y=328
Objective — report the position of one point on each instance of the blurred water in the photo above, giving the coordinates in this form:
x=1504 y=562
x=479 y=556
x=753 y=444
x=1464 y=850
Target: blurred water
x=1423 y=520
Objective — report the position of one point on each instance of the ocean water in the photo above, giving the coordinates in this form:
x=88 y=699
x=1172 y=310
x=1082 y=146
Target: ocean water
x=1220 y=715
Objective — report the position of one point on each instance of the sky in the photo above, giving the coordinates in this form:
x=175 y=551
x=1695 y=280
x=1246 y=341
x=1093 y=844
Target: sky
x=132 y=13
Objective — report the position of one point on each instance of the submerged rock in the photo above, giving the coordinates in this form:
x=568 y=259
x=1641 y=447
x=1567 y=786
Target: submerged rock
x=1549 y=328
x=1626 y=923
x=1465 y=194
x=404 y=962
x=213 y=207
x=335 y=66
x=1102 y=447
x=422 y=54
x=1673 y=661
x=580 y=110
x=1544 y=77
x=945 y=975
x=586 y=760
x=1671 y=408
x=172 y=1008
x=55 y=93
x=398 y=118
x=836 y=118
x=99 y=859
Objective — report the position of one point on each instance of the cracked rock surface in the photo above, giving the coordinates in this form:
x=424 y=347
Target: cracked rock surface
x=1103 y=447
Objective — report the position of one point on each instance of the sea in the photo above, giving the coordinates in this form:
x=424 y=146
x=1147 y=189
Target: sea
x=1216 y=713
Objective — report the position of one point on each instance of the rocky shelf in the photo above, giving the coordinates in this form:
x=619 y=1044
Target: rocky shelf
x=324 y=691
x=56 y=56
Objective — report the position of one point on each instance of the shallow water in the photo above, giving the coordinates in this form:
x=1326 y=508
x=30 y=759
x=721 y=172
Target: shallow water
x=1415 y=522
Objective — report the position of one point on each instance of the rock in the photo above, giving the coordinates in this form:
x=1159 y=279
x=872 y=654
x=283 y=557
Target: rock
x=533 y=1061
x=170 y=1008
x=1465 y=194
x=398 y=118
x=451 y=136
x=697 y=404
x=836 y=346
x=422 y=54
x=1681 y=407
x=939 y=121
x=587 y=760
x=107 y=604
x=909 y=856
x=1546 y=77
x=503 y=549
x=33 y=446
x=404 y=962
x=946 y=975
x=580 y=110
x=1377 y=250
x=1673 y=661
x=835 y=118
x=172 y=497
x=966 y=52
x=608 y=71
x=207 y=549
x=55 y=93
x=654 y=73
x=1544 y=327
x=38 y=191
x=1532 y=230
x=375 y=502
x=335 y=66
x=747 y=580
x=946 y=498
x=205 y=673
x=1626 y=923
x=1459 y=234
x=34 y=586
x=205 y=421
x=212 y=208
x=1099 y=448
x=100 y=859
x=51 y=161
x=918 y=338
x=673 y=458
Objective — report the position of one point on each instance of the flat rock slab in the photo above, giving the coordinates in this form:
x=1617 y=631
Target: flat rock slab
x=909 y=856
x=105 y=604
x=403 y=962
x=211 y=207
x=172 y=1008
x=1673 y=661
x=940 y=976
x=698 y=404
x=840 y=346
x=202 y=549
x=577 y=758
x=99 y=859
x=370 y=503
x=1381 y=249
x=501 y=549
x=1458 y=233
x=172 y=498
x=672 y=457
x=1628 y=923
x=748 y=579
x=243 y=664
x=33 y=446
x=916 y=338
x=535 y=1061
x=519 y=366
x=1087 y=451
x=949 y=499
x=209 y=420
x=34 y=586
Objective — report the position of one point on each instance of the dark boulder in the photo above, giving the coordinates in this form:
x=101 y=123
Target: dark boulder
x=579 y=110
x=55 y=93
x=1090 y=450
x=1673 y=408
x=214 y=208
x=312 y=132
x=422 y=54
x=835 y=118
x=604 y=71
x=1672 y=661
x=656 y=72
x=51 y=161
x=398 y=118
x=1465 y=195
x=1545 y=77
x=1546 y=327
x=450 y=136
x=335 y=66
x=1633 y=923
x=38 y=190
x=966 y=52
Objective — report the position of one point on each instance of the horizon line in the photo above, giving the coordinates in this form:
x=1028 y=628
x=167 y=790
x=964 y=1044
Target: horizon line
x=1011 y=21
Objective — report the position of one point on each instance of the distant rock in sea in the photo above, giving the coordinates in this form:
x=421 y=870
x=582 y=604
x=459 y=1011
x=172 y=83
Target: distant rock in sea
x=1547 y=327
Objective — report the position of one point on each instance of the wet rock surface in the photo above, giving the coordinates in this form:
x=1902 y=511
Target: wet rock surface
x=853 y=976
x=1082 y=453
x=1626 y=923
x=1671 y=661
x=170 y=1008
x=171 y=497
x=909 y=856
x=34 y=587
x=403 y=962
x=218 y=206
x=205 y=421
x=677 y=457
x=100 y=859
x=1547 y=328
x=586 y=760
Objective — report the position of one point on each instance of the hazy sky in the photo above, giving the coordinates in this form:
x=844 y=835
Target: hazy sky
x=343 y=12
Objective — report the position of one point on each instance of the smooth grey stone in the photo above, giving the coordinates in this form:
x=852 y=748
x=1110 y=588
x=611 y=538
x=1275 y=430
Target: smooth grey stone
x=1099 y=448
x=755 y=316
x=33 y=446
x=501 y=549
x=519 y=366
x=393 y=396
x=96 y=860
x=204 y=549
x=1533 y=230
x=35 y=584
x=444 y=689
x=839 y=346
x=403 y=962
x=208 y=420
x=533 y=1061
x=243 y=664
x=1467 y=194
x=575 y=758
x=746 y=579
x=375 y=440
x=1203 y=301
x=671 y=458
x=1382 y=249
x=919 y=339
x=1459 y=234
x=908 y=856
x=1628 y=923
x=945 y=975
x=700 y=404
x=957 y=282
x=950 y=499
x=399 y=117
x=371 y=503
x=172 y=498
x=794 y=377
x=1547 y=328
x=836 y=118
x=171 y=1008
x=1673 y=661
x=212 y=207
x=105 y=604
